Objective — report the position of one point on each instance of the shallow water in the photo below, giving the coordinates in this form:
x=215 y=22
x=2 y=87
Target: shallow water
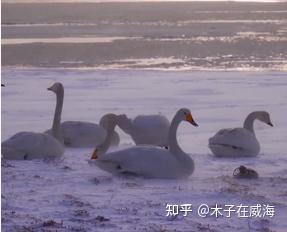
x=195 y=36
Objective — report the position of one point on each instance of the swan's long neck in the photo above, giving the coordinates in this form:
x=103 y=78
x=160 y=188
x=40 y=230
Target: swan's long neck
x=103 y=148
x=187 y=164
x=172 y=140
x=126 y=125
x=56 y=127
x=249 y=121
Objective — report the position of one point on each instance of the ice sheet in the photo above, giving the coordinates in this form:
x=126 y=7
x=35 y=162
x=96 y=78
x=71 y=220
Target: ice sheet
x=74 y=194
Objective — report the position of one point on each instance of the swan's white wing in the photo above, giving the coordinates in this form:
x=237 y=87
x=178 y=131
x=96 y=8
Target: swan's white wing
x=234 y=142
x=239 y=137
x=82 y=134
x=148 y=161
x=151 y=121
x=31 y=145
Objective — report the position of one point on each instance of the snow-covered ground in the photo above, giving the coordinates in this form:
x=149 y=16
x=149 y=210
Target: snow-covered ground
x=72 y=195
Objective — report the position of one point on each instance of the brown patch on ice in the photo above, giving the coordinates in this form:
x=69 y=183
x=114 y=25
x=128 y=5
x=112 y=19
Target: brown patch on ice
x=101 y=219
x=53 y=223
x=67 y=168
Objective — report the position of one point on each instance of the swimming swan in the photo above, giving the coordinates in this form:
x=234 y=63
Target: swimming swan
x=146 y=129
x=31 y=145
x=85 y=134
x=239 y=142
x=147 y=160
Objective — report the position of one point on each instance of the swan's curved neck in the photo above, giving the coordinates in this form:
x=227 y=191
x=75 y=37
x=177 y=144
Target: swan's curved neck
x=56 y=127
x=172 y=140
x=249 y=121
x=103 y=148
x=184 y=159
x=126 y=125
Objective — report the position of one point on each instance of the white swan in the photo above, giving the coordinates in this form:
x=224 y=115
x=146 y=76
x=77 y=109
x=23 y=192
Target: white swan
x=239 y=142
x=147 y=160
x=31 y=145
x=86 y=134
x=146 y=129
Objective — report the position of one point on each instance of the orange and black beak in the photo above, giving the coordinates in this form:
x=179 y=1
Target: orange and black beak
x=270 y=124
x=189 y=118
x=94 y=155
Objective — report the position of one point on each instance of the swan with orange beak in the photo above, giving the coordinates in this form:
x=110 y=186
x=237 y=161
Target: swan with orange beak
x=147 y=160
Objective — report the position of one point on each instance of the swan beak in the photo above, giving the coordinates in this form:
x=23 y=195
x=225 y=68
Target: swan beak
x=94 y=155
x=270 y=124
x=189 y=118
x=49 y=88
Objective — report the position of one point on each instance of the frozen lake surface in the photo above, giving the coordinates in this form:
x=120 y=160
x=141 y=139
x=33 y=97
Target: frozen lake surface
x=77 y=196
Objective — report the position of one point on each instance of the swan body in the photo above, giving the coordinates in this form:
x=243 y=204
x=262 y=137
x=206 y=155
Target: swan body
x=148 y=160
x=234 y=142
x=239 y=142
x=146 y=129
x=31 y=145
x=145 y=160
x=85 y=134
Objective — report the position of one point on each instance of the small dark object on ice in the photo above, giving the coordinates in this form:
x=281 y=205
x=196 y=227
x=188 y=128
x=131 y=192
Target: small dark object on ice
x=96 y=180
x=51 y=223
x=244 y=172
x=67 y=168
x=101 y=219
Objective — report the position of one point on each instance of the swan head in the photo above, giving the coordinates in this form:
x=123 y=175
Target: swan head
x=264 y=116
x=185 y=115
x=109 y=121
x=122 y=118
x=56 y=87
